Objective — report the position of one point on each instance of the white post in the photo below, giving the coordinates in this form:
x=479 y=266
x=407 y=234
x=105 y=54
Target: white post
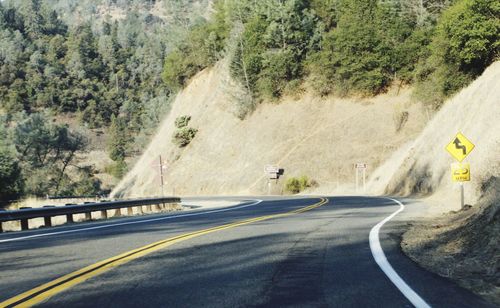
x=364 y=180
x=338 y=178
x=161 y=177
x=356 y=179
x=268 y=187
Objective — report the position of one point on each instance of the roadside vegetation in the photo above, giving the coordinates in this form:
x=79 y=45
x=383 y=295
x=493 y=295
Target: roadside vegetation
x=98 y=61
x=116 y=65
x=38 y=158
x=184 y=134
x=295 y=185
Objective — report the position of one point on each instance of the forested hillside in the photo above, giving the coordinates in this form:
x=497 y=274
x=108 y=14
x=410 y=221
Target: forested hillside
x=97 y=61
x=344 y=47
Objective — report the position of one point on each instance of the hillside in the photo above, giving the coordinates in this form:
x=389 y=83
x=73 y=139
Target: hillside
x=318 y=137
x=81 y=90
x=423 y=167
x=462 y=244
x=113 y=68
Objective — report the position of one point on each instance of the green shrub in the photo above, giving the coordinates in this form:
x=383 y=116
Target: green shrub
x=182 y=121
x=117 y=169
x=182 y=137
x=279 y=67
x=296 y=185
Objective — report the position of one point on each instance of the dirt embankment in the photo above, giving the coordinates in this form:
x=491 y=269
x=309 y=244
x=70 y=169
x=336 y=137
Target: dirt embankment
x=318 y=137
x=463 y=244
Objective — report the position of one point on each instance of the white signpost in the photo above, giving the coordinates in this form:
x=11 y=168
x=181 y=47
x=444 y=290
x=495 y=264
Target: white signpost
x=272 y=174
x=360 y=167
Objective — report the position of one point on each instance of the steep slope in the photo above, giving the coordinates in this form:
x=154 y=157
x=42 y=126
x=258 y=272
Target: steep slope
x=423 y=167
x=318 y=137
x=463 y=244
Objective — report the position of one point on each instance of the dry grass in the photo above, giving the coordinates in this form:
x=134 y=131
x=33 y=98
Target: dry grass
x=422 y=167
x=320 y=137
x=462 y=245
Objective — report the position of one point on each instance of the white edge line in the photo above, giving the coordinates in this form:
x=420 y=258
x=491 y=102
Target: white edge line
x=379 y=256
x=128 y=223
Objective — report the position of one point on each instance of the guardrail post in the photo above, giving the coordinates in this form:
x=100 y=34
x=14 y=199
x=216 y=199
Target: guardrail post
x=88 y=215
x=130 y=211
x=118 y=212
x=47 y=220
x=25 y=224
x=1 y=229
x=149 y=208
x=104 y=214
x=69 y=217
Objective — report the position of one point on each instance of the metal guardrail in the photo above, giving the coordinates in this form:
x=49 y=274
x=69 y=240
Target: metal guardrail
x=74 y=197
x=49 y=211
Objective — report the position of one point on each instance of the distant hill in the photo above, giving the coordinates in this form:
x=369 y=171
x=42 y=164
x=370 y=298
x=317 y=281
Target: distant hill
x=99 y=62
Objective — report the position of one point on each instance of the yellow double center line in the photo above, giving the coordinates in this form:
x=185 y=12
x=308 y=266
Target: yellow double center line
x=40 y=293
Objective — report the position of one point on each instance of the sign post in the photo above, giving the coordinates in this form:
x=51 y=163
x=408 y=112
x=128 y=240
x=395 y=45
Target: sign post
x=460 y=147
x=362 y=167
x=460 y=172
x=273 y=173
x=161 y=177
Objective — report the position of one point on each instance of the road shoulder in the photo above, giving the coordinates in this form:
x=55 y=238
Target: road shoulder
x=424 y=281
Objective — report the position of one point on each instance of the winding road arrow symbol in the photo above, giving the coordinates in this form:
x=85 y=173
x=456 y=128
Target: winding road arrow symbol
x=460 y=146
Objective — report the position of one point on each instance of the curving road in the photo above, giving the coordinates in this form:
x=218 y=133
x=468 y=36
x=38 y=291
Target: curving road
x=295 y=252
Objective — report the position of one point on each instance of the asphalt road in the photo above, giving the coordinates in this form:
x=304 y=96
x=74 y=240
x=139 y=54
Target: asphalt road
x=315 y=258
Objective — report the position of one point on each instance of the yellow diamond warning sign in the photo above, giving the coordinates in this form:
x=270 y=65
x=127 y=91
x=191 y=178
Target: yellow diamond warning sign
x=460 y=147
x=460 y=172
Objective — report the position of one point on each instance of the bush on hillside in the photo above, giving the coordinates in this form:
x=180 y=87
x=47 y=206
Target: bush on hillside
x=182 y=121
x=118 y=169
x=182 y=137
x=296 y=185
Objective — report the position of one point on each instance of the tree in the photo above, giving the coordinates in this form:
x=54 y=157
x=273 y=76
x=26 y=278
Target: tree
x=33 y=19
x=11 y=180
x=467 y=40
x=119 y=139
x=46 y=150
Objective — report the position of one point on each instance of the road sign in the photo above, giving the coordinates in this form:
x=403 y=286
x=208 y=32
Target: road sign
x=271 y=169
x=460 y=172
x=273 y=176
x=460 y=147
x=360 y=166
